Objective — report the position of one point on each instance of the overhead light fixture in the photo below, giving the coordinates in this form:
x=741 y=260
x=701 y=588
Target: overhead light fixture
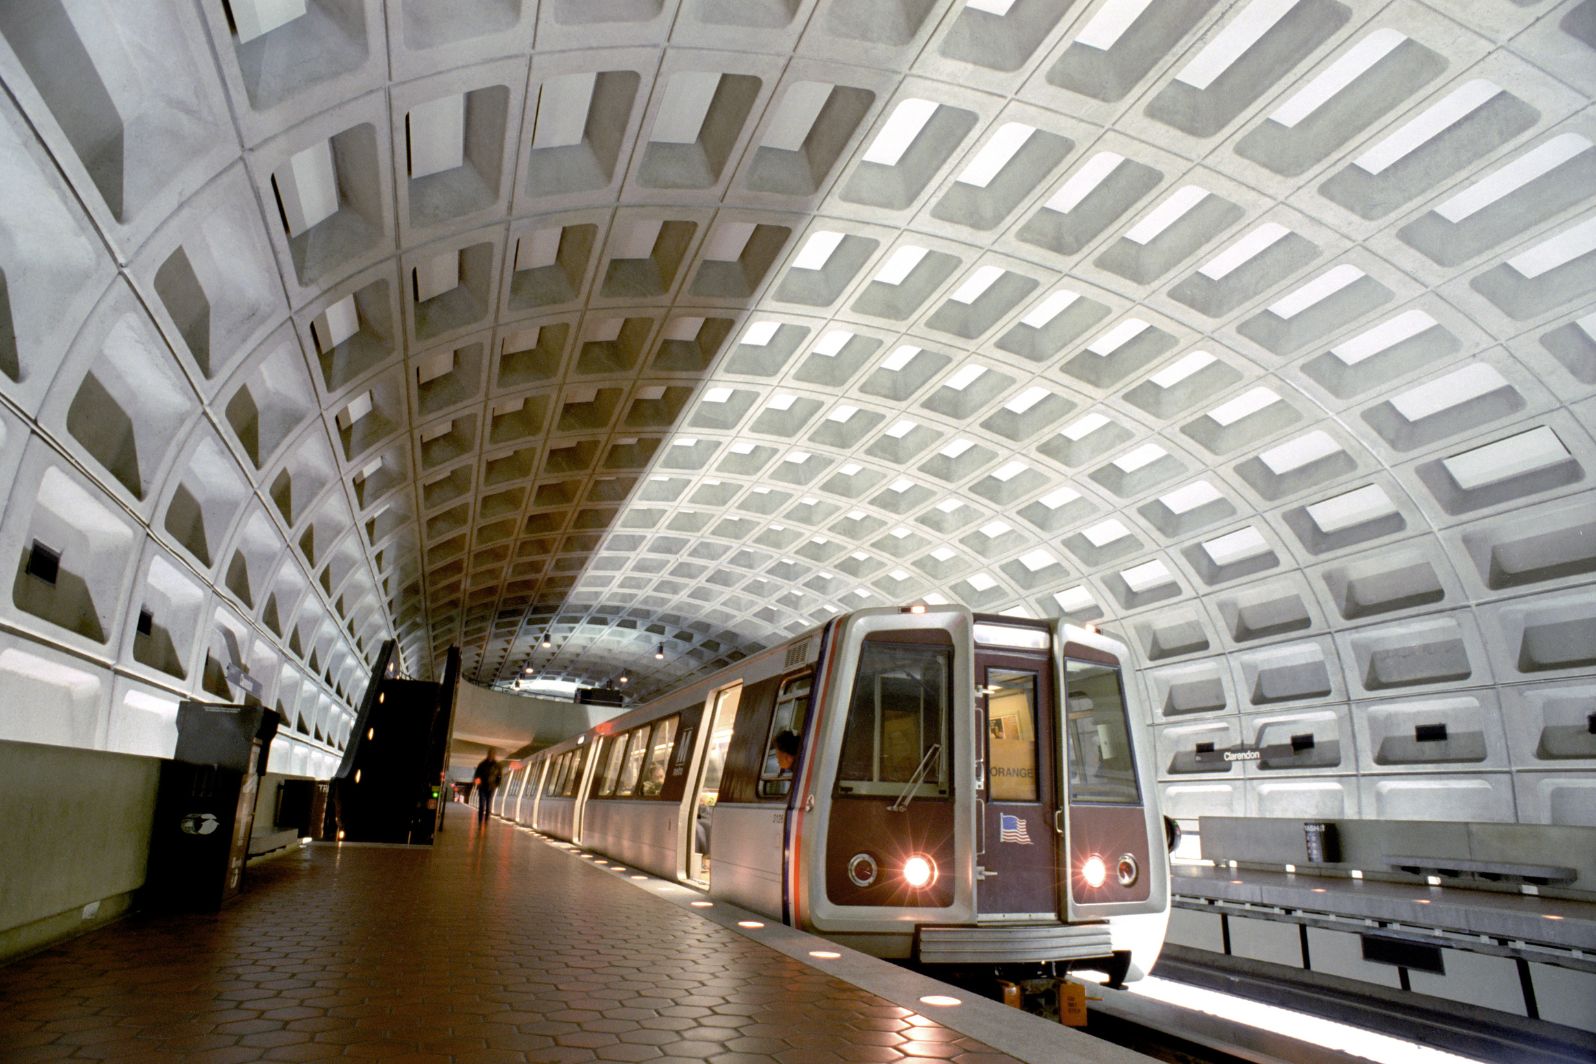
x=623 y=679
x=547 y=642
x=659 y=652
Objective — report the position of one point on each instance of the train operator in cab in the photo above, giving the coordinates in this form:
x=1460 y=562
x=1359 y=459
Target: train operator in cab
x=786 y=746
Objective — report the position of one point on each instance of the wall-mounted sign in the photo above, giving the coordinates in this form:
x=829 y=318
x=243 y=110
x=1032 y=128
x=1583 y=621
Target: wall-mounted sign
x=1304 y=745
x=1239 y=752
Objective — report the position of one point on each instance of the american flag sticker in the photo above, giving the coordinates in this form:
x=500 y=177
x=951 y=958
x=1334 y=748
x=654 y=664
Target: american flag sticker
x=1012 y=829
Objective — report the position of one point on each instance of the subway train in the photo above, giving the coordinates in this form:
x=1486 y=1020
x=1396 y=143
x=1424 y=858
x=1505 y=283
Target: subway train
x=954 y=790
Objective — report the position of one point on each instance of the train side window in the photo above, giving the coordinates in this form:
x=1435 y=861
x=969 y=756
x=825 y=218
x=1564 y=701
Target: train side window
x=557 y=775
x=792 y=712
x=576 y=773
x=720 y=737
x=897 y=721
x=659 y=752
x=1102 y=765
x=614 y=746
x=632 y=765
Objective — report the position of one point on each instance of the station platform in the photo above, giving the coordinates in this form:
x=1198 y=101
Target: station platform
x=1556 y=922
x=491 y=946
x=1526 y=959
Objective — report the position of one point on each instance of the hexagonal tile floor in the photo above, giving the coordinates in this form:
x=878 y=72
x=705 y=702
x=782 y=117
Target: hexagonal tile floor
x=487 y=947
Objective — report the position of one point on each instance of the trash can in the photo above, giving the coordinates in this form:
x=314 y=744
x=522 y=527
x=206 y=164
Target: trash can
x=205 y=806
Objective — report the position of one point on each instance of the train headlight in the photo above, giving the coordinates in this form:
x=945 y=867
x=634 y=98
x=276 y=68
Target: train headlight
x=919 y=871
x=1094 y=871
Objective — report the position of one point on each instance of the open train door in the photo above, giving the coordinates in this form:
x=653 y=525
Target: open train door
x=720 y=717
x=1110 y=867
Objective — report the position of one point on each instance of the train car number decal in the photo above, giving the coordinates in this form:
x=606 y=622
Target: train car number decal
x=1011 y=828
x=684 y=746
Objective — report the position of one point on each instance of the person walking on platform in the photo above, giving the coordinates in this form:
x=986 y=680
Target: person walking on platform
x=486 y=782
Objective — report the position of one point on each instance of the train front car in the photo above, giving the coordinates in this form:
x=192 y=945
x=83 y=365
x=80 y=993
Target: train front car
x=954 y=808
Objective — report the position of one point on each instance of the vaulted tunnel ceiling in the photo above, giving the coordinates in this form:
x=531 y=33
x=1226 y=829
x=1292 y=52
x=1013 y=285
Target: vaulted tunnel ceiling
x=1259 y=332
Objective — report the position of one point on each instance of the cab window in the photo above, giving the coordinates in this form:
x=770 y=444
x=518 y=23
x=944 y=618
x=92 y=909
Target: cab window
x=791 y=713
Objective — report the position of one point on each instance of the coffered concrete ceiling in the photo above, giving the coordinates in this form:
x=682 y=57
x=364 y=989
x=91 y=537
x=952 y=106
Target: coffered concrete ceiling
x=1260 y=333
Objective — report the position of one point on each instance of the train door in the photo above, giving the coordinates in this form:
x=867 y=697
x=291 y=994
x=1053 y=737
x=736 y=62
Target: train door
x=551 y=777
x=501 y=797
x=585 y=760
x=529 y=792
x=540 y=780
x=1109 y=857
x=1017 y=845
x=719 y=719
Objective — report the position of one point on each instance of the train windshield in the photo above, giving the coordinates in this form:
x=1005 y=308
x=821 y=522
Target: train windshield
x=898 y=720
x=1102 y=768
